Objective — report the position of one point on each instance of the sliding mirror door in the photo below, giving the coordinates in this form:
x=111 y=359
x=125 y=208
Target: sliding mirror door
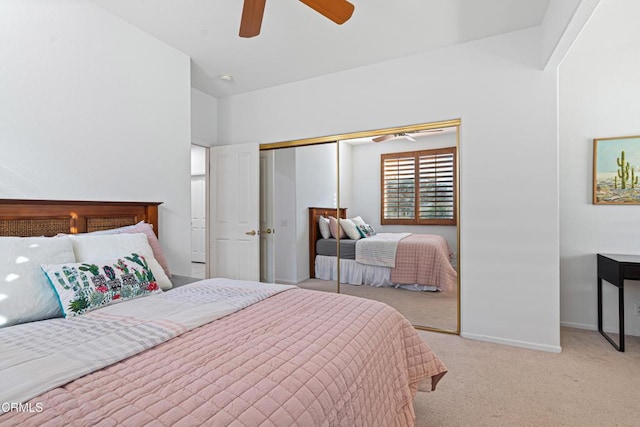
x=400 y=195
x=397 y=193
x=298 y=184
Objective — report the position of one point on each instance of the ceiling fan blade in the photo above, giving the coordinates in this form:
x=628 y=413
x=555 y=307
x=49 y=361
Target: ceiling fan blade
x=252 y=13
x=383 y=138
x=339 y=11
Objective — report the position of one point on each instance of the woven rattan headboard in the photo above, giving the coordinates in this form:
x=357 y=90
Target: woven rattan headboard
x=26 y=218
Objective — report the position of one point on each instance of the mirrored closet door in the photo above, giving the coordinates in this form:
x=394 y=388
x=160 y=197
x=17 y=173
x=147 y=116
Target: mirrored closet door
x=384 y=203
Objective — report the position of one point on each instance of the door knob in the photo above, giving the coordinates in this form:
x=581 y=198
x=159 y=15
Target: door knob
x=251 y=233
x=269 y=231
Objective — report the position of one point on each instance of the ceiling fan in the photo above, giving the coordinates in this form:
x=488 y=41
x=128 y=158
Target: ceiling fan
x=405 y=135
x=339 y=11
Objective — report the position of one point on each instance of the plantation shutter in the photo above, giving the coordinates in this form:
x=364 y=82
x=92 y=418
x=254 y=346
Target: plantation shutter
x=436 y=186
x=399 y=187
x=419 y=187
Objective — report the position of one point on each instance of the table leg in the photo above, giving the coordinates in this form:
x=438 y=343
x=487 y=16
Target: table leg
x=600 y=304
x=620 y=316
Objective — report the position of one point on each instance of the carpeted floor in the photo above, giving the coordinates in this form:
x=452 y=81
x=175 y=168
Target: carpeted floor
x=588 y=384
x=434 y=309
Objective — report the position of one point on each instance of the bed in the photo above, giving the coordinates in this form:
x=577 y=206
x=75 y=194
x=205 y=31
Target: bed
x=411 y=261
x=213 y=352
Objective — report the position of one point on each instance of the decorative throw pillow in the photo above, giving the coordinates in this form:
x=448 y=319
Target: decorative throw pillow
x=25 y=294
x=350 y=229
x=323 y=223
x=89 y=247
x=366 y=230
x=335 y=228
x=85 y=286
x=358 y=221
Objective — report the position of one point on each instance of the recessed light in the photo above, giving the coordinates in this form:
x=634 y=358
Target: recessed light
x=225 y=77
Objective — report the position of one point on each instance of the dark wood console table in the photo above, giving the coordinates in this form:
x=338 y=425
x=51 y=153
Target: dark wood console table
x=615 y=269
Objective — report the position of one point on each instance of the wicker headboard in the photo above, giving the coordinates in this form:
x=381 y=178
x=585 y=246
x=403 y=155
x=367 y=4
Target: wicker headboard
x=27 y=218
x=314 y=232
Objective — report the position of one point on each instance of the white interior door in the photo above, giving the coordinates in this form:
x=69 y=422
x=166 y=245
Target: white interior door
x=198 y=219
x=235 y=240
x=267 y=230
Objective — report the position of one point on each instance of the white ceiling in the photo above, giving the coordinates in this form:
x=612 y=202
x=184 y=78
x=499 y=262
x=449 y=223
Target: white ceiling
x=297 y=43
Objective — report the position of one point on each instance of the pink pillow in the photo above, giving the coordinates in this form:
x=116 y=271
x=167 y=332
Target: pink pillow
x=333 y=227
x=146 y=229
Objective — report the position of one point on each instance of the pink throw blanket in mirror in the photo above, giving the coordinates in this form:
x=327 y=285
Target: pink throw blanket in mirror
x=424 y=259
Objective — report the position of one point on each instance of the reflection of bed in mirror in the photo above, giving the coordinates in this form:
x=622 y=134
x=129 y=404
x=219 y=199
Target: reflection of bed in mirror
x=420 y=262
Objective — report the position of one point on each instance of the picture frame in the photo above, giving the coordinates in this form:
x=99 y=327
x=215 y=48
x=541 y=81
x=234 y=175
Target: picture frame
x=616 y=168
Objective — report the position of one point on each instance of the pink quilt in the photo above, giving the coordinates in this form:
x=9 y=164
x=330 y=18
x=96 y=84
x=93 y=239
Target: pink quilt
x=424 y=259
x=297 y=358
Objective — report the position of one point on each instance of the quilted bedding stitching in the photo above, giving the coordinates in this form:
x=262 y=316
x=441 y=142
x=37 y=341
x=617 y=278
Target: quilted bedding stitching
x=298 y=358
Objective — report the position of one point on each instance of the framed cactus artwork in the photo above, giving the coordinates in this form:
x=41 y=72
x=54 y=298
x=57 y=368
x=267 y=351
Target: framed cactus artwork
x=616 y=167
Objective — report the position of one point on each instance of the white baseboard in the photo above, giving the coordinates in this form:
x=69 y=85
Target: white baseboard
x=513 y=343
x=579 y=326
x=588 y=327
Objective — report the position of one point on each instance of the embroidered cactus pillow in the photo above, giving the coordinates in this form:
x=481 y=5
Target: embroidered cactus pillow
x=366 y=230
x=86 y=286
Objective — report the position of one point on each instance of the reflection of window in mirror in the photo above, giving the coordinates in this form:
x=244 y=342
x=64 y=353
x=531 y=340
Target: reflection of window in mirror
x=418 y=187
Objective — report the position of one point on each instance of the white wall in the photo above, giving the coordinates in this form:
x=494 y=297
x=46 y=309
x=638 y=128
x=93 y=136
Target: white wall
x=204 y=118
x=365 y=200
x=93 y=109
x=599 y=97
x=509 y=198
x=316 y=186
x=304 y=177
x=563 y=21
x=556 y=20
x=285 y=217
x=346 y=175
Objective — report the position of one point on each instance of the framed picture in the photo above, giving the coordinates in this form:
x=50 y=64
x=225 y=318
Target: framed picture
x=616 y=167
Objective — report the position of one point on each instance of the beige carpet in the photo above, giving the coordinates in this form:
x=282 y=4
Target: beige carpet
x=588 y=384
x=434 y=309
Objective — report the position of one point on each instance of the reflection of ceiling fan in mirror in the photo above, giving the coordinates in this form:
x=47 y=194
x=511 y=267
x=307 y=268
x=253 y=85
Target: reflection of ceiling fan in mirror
x=405 y=135
x=339 y=11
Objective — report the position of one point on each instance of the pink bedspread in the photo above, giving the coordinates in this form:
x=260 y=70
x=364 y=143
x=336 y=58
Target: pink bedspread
x=424 y=259
x=298 y=358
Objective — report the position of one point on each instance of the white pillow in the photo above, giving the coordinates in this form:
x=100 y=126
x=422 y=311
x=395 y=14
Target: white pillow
x=90 y=247
x=350 y=229
x=358 y=221
x=25 y=293
x=323 y=223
